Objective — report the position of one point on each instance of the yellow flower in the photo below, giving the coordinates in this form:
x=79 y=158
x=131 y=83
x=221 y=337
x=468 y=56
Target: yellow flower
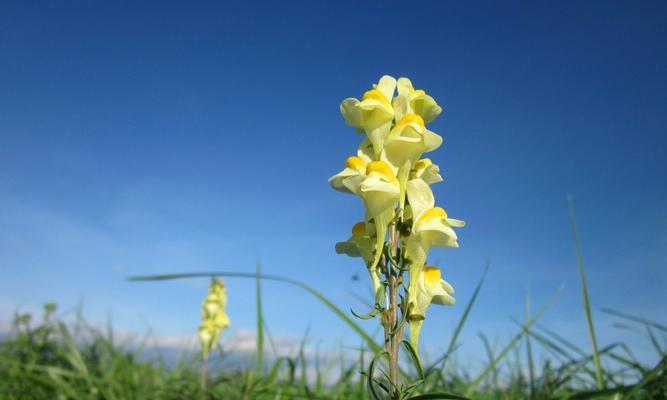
x=214 y=318
x=380 y=193
x=420 y=197
x=349 y=179
x=362 y=244
x=431 y=227
x=426 y=170
x=411 y=101
x=430 y=288
x=374 y=113
x=408 y=140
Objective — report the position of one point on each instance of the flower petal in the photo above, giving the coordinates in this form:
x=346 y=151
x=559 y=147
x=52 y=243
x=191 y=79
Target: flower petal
x=404 y=87
x=424 y=105
x=456 y=222
x=351 y=112
x=348 y=248
x=420 y=196
x=387 y=85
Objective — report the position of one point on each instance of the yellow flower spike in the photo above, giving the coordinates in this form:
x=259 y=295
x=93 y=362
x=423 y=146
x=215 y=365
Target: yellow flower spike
x=374 y=113
x=430 y=288
x=349 y=179
x=214 y=318
x=380 y=192
x=411 y=101
x=387 y=171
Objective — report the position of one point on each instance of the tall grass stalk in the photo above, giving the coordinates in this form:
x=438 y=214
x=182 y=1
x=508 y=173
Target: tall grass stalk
x=584 y=292
x=529 y=350
x=472 y=388
x=260 y=322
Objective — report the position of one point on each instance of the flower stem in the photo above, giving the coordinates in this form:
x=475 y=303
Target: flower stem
x=203 y=372
x=393 y=337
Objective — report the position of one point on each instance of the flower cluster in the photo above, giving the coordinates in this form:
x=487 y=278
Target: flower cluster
x=214 y=318
x=402 y=222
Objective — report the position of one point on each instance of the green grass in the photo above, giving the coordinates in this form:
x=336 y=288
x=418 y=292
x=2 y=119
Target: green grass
x=50 y=359
x=599 y=374
x=45 y=360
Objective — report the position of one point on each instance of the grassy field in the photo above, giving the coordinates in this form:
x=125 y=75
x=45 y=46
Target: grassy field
x=46 y=358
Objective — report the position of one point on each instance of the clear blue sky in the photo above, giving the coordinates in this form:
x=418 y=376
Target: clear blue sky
x=152 y=138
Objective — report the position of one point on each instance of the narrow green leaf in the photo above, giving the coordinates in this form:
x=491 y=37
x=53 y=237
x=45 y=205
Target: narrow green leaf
x=370 y=315
x=462 y=321
x=653 y=375
x=260 y=322
x=475 y=383
x=529 y=350
x=302 y=358
x=584 y=292
x=273 y=374
x=491 y=356
x=635 y=319
x=438 y=395
x=415 y=359
x=371 y=371
x=342 y=315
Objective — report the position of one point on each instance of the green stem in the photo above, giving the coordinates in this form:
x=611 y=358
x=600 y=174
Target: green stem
x=203 y=372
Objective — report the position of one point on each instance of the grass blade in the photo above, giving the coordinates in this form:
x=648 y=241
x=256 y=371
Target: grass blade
x=584 y=291
x=260 y=323
x=529 y=350
x=490 y=355
x=629 y=317
x=462 y=321
x=340 y=313
x=475 y=383
x=438 y=395
x=653 y=375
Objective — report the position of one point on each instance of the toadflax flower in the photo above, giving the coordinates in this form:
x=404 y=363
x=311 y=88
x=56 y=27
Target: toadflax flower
x=425 y=170
x=408 y=140
x=430 y=288
x=214 y=317
x=349 y=179
x=431 y=227
x=380 y=192
x=374 y=113
x=362 y=244
x=411 y=101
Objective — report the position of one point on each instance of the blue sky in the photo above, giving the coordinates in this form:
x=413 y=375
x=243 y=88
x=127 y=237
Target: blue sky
x=145 y=138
